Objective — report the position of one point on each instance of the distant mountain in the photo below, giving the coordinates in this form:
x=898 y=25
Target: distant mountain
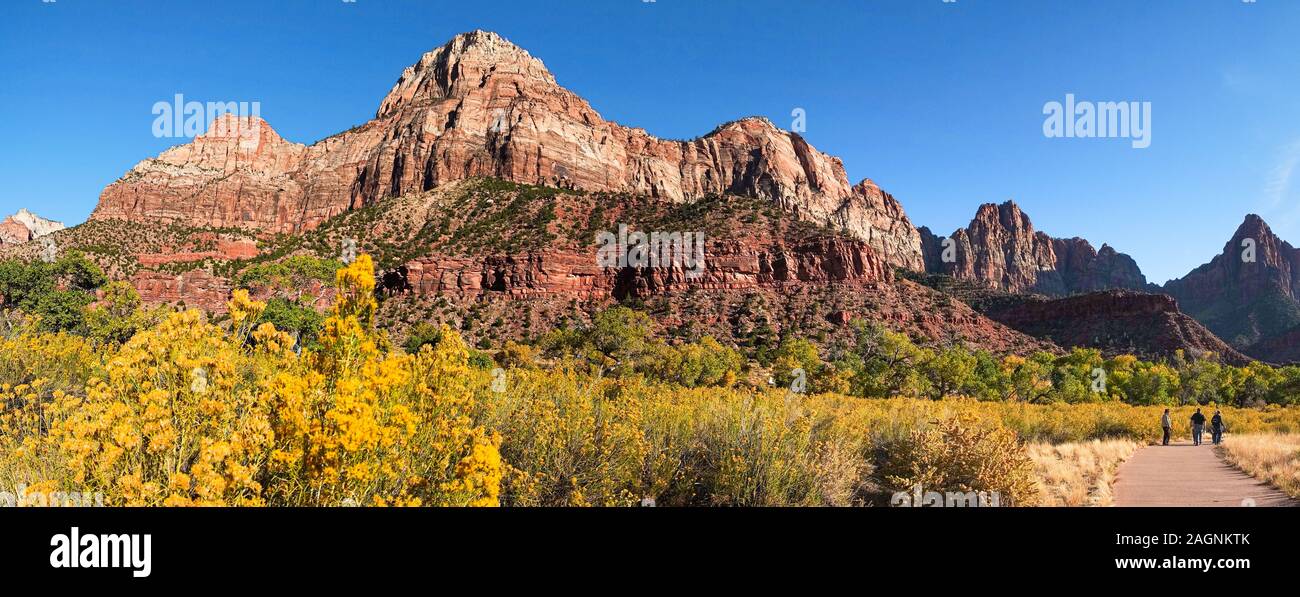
x=25 y=225
x=1249 y=294
x=1116 y=322
x=1001 y=250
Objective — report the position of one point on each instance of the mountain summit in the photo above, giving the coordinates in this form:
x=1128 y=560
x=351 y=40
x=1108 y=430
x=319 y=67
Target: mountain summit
x=1249 y=293
x=25 y=225
x=1000 y=249
x=481 y=106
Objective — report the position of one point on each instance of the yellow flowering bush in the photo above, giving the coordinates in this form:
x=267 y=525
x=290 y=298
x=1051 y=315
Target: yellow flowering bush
x=175 y=420
x=363 y=426
x=188 y=412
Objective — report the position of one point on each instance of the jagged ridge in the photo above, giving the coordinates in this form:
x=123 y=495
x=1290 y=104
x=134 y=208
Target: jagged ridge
x=481 y=106
x=1000 y=249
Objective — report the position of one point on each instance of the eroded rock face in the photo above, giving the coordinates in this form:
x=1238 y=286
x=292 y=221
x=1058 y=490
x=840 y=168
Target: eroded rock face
x=223 y=250
x=239 y=173
x=25 y=225
x=729 y=265
x=14 y=232
x=195 y=288
x=1246 y=298
x=728 y=302
x=1000 y=249
x=481 y=106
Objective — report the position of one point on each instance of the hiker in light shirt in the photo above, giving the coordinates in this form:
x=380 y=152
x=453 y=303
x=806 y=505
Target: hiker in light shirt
x=1168 y=426
x=1198 y=427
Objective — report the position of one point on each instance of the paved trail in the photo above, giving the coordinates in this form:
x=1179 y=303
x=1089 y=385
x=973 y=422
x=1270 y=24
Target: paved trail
x=1182 y=474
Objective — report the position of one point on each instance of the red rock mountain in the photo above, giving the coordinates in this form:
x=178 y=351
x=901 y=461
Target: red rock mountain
x=1001 y=250
x=1117 y=322
x=1247 y=299
x=481 y=106
x=513 y=255
x=24 y=226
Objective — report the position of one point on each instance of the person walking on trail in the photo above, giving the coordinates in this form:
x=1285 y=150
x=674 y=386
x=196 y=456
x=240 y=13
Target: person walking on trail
x=1216 y=427
x=1198 y=427
x=1168 y=426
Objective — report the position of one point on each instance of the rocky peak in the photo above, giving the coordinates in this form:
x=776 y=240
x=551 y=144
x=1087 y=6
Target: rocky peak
x=1006 y=217
x=1253 y=226
x=238 y=142
x=24 y=225
x=469 y=61
x=1242 y=297
x=240 y=172
x=38 y=225
x=1270 y=251
x=1274 y=263
x=1000 y=249
x=481 y=106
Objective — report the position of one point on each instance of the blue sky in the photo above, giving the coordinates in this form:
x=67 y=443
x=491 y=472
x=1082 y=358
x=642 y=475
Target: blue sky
x=940 y=103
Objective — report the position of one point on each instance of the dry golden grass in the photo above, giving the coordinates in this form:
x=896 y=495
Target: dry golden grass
x=1274 y=458
x=1079 y=473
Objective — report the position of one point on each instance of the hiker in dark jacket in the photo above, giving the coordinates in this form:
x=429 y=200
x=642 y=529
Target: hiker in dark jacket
x=1198 y=426
x=1216 y=427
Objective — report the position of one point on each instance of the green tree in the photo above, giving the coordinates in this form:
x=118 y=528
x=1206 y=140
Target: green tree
x=709 y=363
x=1029 y=379
x=299 y=320
x=119 y=314
x=951 y=372
x=886 y=363
x=796 y=359
x=57 y=293
x=422 y=334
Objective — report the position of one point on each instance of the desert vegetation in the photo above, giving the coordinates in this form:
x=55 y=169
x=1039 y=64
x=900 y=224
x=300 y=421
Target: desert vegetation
x=1274 y=458
x=161 y=406
x=1079 y=473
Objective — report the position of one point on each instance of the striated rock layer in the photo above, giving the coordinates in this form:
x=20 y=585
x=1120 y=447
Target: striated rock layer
x=194 y=288
x=481 y=106
x=1001 y=250
x=730 y=265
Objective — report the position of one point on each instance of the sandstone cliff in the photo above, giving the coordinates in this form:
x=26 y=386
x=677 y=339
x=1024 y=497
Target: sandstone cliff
x=1246 y=299
x=25 y=225
x=1001 y=250
x=731 y=264
x=481 y=106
